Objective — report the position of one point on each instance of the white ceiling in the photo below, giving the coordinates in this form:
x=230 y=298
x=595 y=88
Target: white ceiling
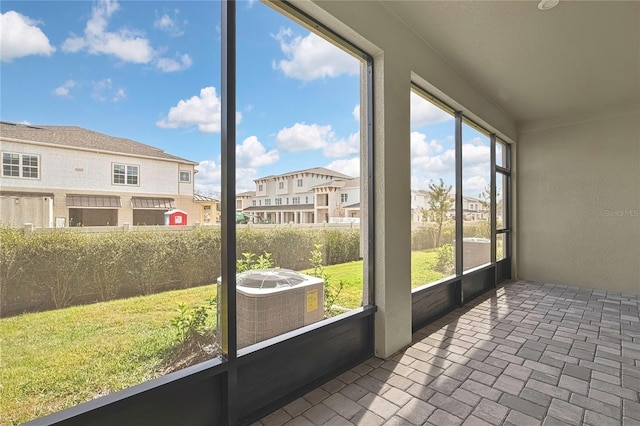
x=535 y=64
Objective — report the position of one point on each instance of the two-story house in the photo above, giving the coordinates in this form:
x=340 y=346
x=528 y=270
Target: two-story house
x=313 y=195
x=57 y=176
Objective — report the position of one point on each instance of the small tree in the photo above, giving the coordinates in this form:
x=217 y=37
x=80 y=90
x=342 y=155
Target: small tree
x=439 y=205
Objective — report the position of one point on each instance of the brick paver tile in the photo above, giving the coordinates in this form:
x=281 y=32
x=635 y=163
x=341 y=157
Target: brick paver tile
x=276 y=418
x=393 y=421
x=631 y=409
x=609 y=378
x=536 y=397
x=333 y=386
x=597 y=419
x=552 y=421
x=523 y=406
x=450 y=405
x=490 y=411
x=416 y=411
x=481 y=390
x=372 y=384
x=441 y=417
x=518 y=371
x=338 y=421
x=316 y=395
x=519 y=419
x=421 y=392
x=574 y=385
x=569 y=413
x=444 y=384
x=483 y=378
x=466 y=397
x=605 y=397
x=319 y=414
x=400 y=382
x=595 y=405
x=297 y=407
x=548 y=389
x=365 y=417
x=378 y=405
x=397 y=396
x=509 y=384
x=576 y=371
x=341 y=405
x=353 y=391
x=348 y=377
x=614 y=389
x=300 y=421
x=475 y=421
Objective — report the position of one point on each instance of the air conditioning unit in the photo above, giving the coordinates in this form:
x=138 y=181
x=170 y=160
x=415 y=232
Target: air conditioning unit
x=270 y=302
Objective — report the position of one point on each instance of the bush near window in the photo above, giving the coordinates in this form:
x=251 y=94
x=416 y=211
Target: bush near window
x=59 y=268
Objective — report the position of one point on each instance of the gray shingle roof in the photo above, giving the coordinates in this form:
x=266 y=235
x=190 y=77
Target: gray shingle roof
x=77 y=137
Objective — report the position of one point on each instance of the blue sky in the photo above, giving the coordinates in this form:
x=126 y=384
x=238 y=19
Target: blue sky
x=150 y=71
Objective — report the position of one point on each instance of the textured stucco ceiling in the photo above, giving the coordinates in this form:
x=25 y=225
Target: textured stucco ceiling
x=576 y=57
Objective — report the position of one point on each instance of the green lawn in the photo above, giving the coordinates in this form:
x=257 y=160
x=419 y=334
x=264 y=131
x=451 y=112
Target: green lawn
x=56 y=359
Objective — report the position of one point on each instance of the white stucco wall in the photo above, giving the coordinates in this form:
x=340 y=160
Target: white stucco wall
x=579 y=201
x=87 y=172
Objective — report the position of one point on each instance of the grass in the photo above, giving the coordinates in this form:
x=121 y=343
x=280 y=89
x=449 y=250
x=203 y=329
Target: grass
x=56 y=359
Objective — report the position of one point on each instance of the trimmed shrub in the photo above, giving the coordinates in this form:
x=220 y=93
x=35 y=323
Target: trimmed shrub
x=57 y=268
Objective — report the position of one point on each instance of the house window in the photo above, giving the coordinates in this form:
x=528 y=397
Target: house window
x=267 y=202
x=185 y=176
x=20 y=165
x=295 y=200
x=299 y=183
x=260 y=187
x=280 y=185
x=344 y=198
x=306 y=199
x=125 y=174
x=278 y=201
x=253 y=202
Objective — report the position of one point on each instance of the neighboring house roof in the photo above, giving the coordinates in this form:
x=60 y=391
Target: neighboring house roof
x=315 y=170
x=204 y=198
x=287 y=207
x=77 y=137
x=341 y=183
x=246 y=194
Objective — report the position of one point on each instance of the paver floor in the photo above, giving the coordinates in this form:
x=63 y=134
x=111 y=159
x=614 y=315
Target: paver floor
x=525 y=354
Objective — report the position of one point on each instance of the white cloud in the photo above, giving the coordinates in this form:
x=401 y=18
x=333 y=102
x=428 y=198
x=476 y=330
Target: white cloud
x=209 y=178
x=126 y=44
x=356 y=113
x=172 y=65
x=303 y=136
x=420 y=147
x=203 y=110
x=312 y=57
x=65 y=88
x=103 y=91
x=20 y=36
x=342 y=147
x=251 y=153
x=120 y=94
x=474 y=186
x=424 y=113
x=170 y=24
x=349 y=167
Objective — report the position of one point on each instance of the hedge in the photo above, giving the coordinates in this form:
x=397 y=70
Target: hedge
x=49 y=270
